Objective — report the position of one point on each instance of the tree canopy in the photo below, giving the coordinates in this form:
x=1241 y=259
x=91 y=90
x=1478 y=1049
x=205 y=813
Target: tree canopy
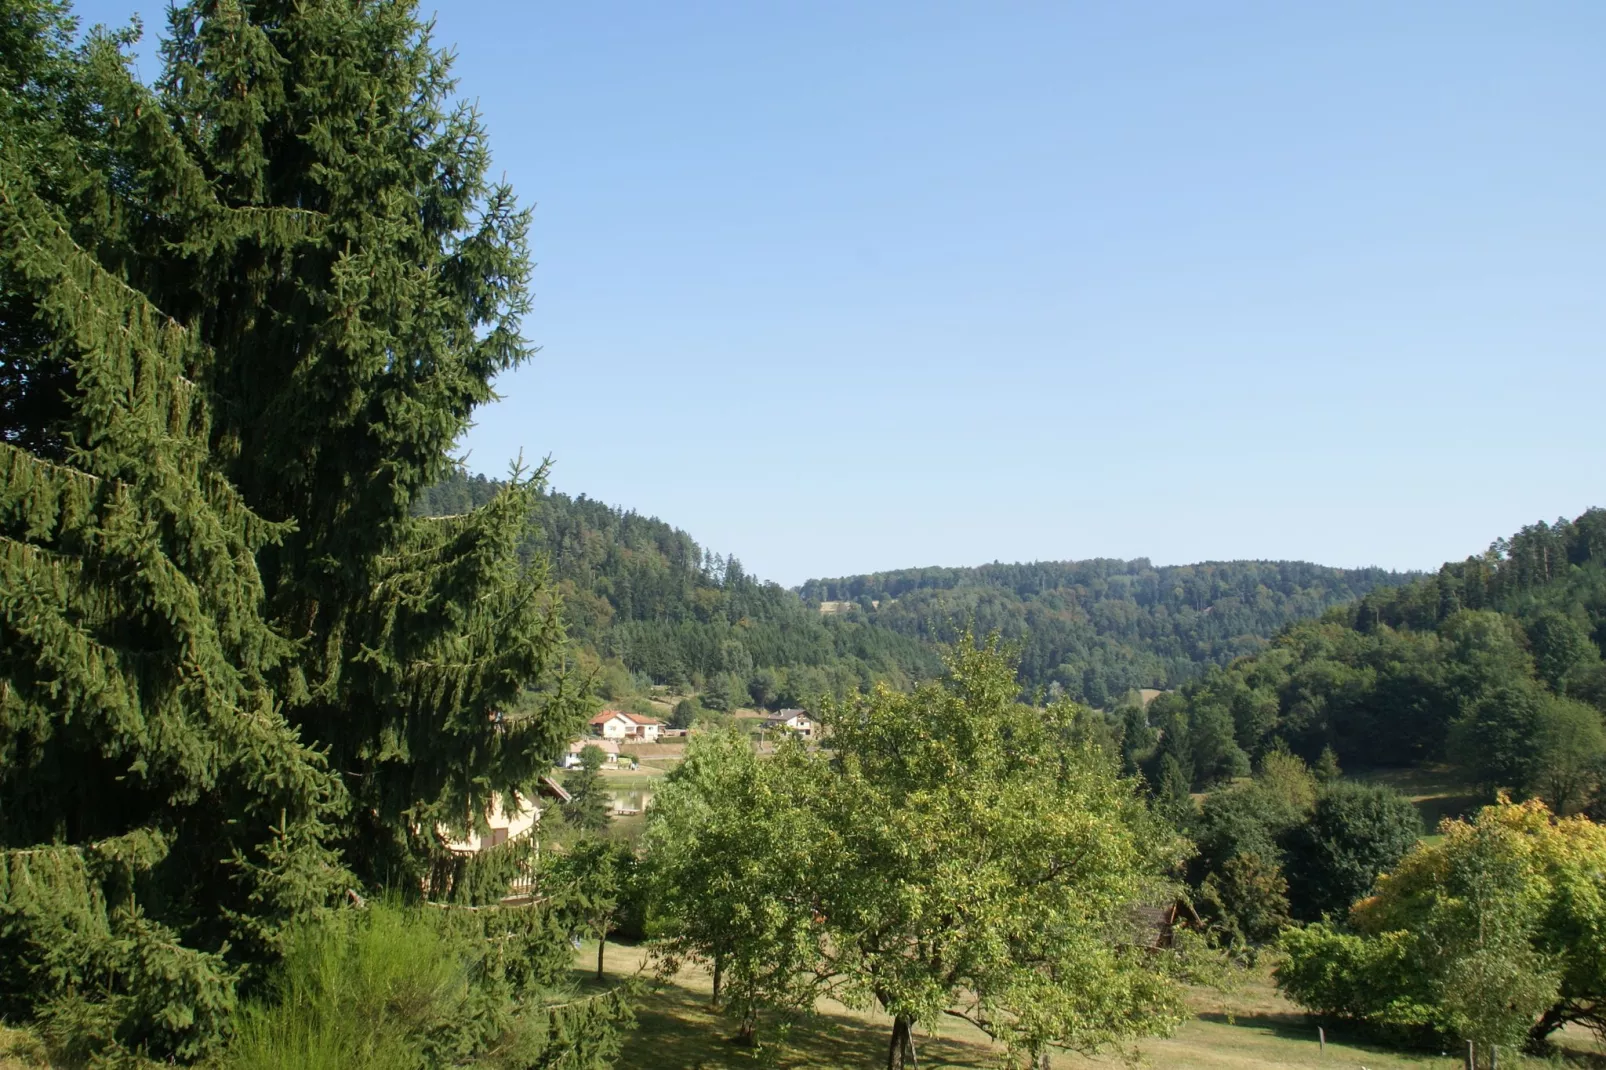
x=1494 y=662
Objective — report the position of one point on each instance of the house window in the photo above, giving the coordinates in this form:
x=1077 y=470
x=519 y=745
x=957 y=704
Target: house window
x=497 y=836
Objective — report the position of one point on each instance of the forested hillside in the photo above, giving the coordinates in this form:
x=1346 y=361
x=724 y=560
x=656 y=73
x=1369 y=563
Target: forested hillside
x=1096 y=629
x=642 y=594
x=645 y=593
x=1494 y=663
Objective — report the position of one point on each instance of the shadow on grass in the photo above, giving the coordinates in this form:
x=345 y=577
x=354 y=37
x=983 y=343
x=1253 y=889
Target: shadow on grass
x=1296 y=1026
x=1357 y=1037
x=676 y=1030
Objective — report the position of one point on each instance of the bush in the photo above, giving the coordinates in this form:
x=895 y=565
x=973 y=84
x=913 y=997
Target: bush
x=685 y=713
x=1248 y=899
x=1242 y=820
x=1354 y=833
x=425 y=988
x=1490 y=935
x=1341 y=975
x=367 y=990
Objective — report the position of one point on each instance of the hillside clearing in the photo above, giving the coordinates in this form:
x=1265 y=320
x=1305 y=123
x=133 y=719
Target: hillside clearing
x=1439 y=791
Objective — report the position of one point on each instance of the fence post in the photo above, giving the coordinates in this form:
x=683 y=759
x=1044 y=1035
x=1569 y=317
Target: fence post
x=1321 y=1039
x=1472 y=1056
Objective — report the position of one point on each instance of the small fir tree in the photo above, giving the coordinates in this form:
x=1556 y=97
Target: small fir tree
x=586 y=808
x=1326 y=768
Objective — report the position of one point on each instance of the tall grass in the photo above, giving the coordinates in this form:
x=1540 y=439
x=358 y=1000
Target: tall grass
x=362 y=990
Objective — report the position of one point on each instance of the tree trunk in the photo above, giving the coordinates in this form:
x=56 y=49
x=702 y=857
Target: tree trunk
x=1539 y=1036
x=602 y=946
x=719 y=968
x=903 y=1044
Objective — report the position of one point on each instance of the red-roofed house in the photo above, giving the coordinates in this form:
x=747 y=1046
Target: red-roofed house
x=626 y=727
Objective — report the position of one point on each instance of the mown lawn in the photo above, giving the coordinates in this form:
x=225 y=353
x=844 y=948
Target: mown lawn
x=1252 y=1027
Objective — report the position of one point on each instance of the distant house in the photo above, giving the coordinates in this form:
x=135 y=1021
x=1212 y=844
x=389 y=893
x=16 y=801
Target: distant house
x=797 y=721
x=511 y=818
x=626 y=727
x=608 y=747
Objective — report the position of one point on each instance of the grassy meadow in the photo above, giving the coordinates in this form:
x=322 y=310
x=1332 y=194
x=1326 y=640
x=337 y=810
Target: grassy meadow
x=1438 y=792
x=1249 y=1028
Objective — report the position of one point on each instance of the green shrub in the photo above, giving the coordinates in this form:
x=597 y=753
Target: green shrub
x=1354 y=833
x=1248 y=819
x=1247 y=899
x=685 y=713
x=426 y=988
x=1342 y=975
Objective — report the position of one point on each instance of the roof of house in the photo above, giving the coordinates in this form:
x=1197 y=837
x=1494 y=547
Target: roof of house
x=786 y=715
x=635 y=718
x=551 y=789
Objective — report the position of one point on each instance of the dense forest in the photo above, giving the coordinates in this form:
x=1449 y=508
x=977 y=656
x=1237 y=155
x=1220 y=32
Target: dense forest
x=1493 y=663
x=1096 y=629
x=643 y=593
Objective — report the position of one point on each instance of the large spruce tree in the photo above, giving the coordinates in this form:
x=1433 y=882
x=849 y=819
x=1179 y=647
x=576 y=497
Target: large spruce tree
x=243 y=317
x=343 y=364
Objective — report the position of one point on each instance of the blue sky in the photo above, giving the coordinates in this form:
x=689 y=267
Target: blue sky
x=840 y=287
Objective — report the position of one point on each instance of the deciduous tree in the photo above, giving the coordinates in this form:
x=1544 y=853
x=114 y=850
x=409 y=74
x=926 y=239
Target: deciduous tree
x=1491 y=935
x=1354 y=833
x=982 y=864
x=731 y=842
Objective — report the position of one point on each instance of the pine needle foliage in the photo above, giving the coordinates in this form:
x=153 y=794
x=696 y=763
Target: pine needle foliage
x=343 y=364
x=156 y=809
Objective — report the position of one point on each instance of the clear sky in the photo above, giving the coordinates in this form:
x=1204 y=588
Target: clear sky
x=840 y=287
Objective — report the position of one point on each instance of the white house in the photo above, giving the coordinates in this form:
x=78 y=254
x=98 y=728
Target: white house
x=608 y=747
x=626 y=727
x=797 y=721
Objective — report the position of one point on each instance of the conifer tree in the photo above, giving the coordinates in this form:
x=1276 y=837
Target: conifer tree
x=155 y=806
x=342 y=369
x=243 y=318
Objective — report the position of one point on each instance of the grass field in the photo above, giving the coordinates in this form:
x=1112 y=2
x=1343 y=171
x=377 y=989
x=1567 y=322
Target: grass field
x=1252 y=1028
x=626 y=779
x=1438 y=792
x=20 y=1051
